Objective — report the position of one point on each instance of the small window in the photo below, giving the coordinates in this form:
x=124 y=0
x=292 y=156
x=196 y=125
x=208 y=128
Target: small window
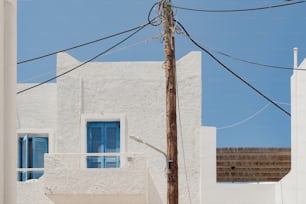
x=31 y=150
x=103 y=137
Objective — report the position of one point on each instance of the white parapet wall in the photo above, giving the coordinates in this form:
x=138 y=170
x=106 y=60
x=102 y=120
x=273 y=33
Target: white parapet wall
x=294 y=185
x=220 y=193
x=68 y=180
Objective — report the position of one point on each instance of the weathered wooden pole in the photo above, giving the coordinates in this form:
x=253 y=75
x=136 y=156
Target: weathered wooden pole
x=170 y=68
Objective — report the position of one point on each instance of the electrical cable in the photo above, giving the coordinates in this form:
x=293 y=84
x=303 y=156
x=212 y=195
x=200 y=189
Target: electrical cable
x=284 y=103
x=231 y=71
x=109 y=53
x=135 y=44
x=238 y=10
x=244 y=60
x=91 y=59
x=78 y=46
x=151 y=21
x=252 y=62
x=246 y=119
x=250 y=117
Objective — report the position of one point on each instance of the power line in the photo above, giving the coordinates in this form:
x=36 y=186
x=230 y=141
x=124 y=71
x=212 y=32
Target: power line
x=252 y=62
x=235 y=124
x=91 y=59
x=152 y=21
x=231 y=71
x=247 y=61
x=246 y=119
x=136 y=44
x=109 y=53
x=284 y=103
x=80 y=45
x=156 y=21
x=238 y=10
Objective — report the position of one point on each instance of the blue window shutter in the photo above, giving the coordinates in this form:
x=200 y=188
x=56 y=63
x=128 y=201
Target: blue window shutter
x=94 y=144
x=20 y=142
x=25 y=151
x=39 y=148
x=31 y=155
x=112 y=144
x=25 y=157
x=19 y=158
x=103 y=137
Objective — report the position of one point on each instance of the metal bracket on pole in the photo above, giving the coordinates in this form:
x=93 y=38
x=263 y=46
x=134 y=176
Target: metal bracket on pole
x=169 y=166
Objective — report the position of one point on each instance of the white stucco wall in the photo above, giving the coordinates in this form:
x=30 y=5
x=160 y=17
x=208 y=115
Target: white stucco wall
x=32 y=192
x=66 y=174
x=137 y=90
x=37 y=108
x=134 y=92
x=294 y=183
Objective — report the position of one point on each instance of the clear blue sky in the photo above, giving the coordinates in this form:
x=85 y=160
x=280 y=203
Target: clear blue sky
x=265 y=36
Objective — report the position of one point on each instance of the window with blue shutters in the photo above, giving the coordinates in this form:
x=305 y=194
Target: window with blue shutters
x=31 y=155
x=103 y=137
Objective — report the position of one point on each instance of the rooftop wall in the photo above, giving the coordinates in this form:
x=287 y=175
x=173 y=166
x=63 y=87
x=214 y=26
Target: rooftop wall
x=220 y=193
x=294 y=184
x=136 y=92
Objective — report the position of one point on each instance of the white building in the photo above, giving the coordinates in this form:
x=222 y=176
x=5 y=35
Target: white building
x=123 y=98
x=84 y=123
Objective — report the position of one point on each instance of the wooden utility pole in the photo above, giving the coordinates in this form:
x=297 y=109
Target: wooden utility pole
x=170 y=68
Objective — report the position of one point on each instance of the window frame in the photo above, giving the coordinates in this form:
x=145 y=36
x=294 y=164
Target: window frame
x=20 y=133
x=121 y=118
x=98 y=132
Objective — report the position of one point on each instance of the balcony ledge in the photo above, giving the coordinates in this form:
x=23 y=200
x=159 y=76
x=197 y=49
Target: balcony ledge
x=67 y=180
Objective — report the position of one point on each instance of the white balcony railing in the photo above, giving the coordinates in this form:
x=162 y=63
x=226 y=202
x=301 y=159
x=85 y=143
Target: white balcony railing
x=24 y=174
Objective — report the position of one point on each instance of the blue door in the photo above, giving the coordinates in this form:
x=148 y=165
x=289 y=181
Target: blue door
x=103 y=137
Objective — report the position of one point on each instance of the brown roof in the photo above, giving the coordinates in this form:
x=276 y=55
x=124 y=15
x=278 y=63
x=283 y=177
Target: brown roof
x=252 y=164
